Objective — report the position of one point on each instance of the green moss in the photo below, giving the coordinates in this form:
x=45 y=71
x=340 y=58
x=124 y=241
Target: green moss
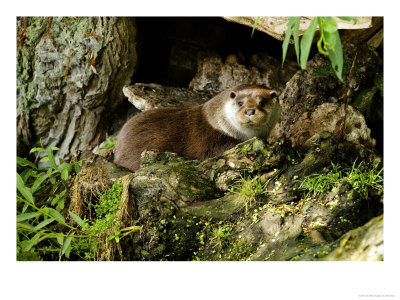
x=242 y=250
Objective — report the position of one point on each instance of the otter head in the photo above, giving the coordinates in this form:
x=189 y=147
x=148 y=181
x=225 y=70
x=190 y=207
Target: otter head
x=252 y=110
x=253 y=107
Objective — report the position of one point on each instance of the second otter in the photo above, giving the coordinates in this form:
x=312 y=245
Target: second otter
x=203 y=131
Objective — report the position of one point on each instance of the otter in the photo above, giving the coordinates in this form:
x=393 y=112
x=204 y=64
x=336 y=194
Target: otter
x=200 y=132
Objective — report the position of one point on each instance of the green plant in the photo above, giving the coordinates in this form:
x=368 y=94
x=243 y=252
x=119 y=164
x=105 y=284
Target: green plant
x=362 y=181
x=41 y=194
x=110 y=143
x=221 y=235
x=251 y=189
x=329 y=42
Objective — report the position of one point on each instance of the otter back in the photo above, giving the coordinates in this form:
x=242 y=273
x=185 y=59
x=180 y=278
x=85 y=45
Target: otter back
x=181 y=130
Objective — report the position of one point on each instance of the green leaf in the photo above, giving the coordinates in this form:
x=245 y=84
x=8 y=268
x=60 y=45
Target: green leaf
x=336 y=57
x=306 y=42
x=329 y=25
x=255 y=25
x=354 y=19
x=52 y=159
x=38 y=182
x=26 y=174
x=58 y=196
x=43 y=223
x=24 y=162
x=37 y=149
x=77 y=168
x=44 y=159
x=64 y=174
x=27 y=216
x=25 y=191
x=66 y=244
x=76 y=218
x=32 y=242
x=288 y=34
x=296 y=38
x=55 y=214
x=60 y=239
x=68 y=251
x=24 y=225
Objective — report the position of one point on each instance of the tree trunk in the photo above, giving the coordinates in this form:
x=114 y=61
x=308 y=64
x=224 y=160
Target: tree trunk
x=70 y=74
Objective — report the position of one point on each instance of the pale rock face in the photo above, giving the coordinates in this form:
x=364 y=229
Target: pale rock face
x=329 y=117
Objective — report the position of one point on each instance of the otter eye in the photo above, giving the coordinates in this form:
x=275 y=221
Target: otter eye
x=233 y=95
x=263 y=102
x=240 y=103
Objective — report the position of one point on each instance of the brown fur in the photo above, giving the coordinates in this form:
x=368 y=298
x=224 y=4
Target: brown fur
x=196 y=132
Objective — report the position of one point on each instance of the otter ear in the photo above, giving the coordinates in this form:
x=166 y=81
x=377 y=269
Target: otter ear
x=273 y=94
x=232 y=95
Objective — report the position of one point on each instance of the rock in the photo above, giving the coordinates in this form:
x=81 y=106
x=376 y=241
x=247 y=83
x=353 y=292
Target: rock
x=312 y=101
x=148 y=96
x=361 y=244
x=214 y=75
x=344 y=123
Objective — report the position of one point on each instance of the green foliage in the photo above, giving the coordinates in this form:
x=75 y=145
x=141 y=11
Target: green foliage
x=251 y=189
x=110 y=143
x=41 y=195
x=221 y=235
x=360 y=180
x=328 y=44
x=255 y=25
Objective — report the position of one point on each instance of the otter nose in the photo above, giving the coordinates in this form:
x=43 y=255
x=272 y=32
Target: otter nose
x=250 y=112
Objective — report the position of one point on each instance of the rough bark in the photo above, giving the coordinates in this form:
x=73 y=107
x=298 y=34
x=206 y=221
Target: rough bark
x=71 y=72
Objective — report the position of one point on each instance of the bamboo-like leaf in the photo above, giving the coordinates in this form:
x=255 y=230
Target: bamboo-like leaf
x=55 y=214
x=25 y=225
x=64 y=174
x=306 y=42
x=37 y=149
x=25 y=191
x=51 y=159
x=58 y=197
x=27 y=216
x=255 y=25
x=66 y=244
x=32 y=242
x=288 y=34
x=354 y=19
x=38 y=182
x=336 y=57
x=44 y=159
x=60 y=239
x=44 y=223
x=76 y=218
x=296 y=38
x=24 y=162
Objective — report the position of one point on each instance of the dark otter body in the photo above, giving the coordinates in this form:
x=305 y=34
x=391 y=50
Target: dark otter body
x=202 y=131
